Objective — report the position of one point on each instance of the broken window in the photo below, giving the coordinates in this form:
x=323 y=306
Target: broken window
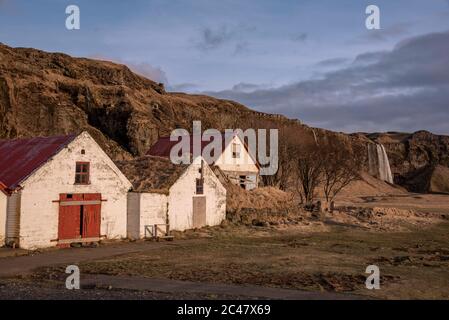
x=199 y=186
x=82 y=173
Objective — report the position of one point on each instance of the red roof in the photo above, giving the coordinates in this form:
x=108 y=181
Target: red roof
x=163 y=146
x=3 y=188
x=19 y=158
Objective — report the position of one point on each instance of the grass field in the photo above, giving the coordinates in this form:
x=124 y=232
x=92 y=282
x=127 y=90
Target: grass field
x=412 y=264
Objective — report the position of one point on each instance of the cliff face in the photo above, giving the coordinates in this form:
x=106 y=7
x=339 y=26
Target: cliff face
x=414 y=157
x=45 y=94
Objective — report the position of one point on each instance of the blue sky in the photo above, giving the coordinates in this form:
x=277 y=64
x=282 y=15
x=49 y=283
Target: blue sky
x=228 y=47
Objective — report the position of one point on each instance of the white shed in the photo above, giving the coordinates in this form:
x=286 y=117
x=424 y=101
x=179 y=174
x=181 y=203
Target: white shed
x=235 y=159
x=181 y=196
x=60 y=190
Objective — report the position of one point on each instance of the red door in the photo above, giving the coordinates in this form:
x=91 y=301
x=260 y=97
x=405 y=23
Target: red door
x=92 y=215
x=69 y=216
x=79 y=216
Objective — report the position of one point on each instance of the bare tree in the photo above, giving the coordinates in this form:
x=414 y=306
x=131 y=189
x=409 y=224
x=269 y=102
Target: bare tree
x=310 y=160
x=287 y=144
x=326 y=162
x=282 y=177
x=339 y=168
x=307 y=164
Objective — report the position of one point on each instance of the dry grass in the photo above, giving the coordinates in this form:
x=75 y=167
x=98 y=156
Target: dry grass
x=258 y=199
x=151 y=174
x=412 y=264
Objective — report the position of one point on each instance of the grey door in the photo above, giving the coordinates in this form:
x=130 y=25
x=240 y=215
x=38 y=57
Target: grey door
x=199 y=212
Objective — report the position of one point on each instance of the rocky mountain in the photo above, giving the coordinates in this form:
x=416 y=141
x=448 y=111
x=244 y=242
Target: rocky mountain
x=52 y=93
x=417 y=159
x=45 y=94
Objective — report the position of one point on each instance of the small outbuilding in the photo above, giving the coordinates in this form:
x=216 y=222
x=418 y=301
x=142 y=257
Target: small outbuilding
x=235 y=161
x=59 y=190
x=172 y=197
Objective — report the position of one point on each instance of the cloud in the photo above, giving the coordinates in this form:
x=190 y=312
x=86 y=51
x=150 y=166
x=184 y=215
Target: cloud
x=147 y=70
x=214 y=38
x=384 y=34
x=249 y=87
x=142 y=68
x=332 y=62
x=405 y=89
x=369 y=58
x=241 y=47
x=183 y=87
x=300 y=37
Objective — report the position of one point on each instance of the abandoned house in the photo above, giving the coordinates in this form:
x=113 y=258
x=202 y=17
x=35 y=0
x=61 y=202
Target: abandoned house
x=235 y=160
x=59 y=190
x=172 y=197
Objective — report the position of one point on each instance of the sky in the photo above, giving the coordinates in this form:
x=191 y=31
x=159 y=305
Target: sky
x=313 y=60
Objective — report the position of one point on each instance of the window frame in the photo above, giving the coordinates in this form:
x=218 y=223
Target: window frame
x=81 y=173
x=236 y=150
x=199 y=186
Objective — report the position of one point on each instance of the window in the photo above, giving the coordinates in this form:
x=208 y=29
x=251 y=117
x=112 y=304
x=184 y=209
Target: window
x=82 y=173
x=235 y=150
x=242 y=181
x=199 y=186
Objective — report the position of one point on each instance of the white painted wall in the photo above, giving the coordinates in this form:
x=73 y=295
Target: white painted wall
x=145 y=209
x=3 y=203
x=180 y=199
x=13 y=218
x=39 y=215
x=216 y=198
x=153 y=210
x=152 y=207
x=245 y=163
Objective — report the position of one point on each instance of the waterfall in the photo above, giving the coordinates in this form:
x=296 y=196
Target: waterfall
x=379 y=165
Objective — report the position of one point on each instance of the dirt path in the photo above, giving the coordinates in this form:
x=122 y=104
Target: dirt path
x=175 y=286
x=23 y=265
x=12 y=266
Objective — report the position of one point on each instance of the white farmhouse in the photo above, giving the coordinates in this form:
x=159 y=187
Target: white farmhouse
x=235 y=160
x=179 y=196
x=59 y=190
